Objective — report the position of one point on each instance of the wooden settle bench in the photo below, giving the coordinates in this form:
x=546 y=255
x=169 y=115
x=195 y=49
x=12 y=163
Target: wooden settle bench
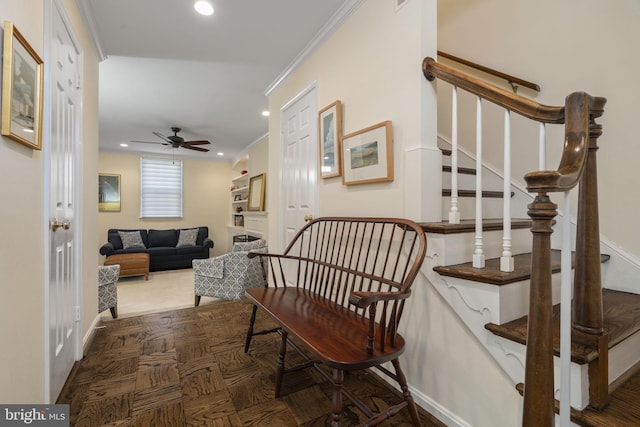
x=337 y=294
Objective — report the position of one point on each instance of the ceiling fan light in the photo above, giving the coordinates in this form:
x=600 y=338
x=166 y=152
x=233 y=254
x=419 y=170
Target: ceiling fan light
x=203 y=7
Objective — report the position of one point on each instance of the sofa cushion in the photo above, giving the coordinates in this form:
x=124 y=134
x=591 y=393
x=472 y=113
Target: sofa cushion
x=131 y=239
x=189 y=250
x=161 y=251
x=187 y=237
x=162 y=238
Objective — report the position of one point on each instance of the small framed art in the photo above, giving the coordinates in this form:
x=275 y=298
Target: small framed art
x=329 y=136
x=368 y=155
x=108 y=193
x=21 y=89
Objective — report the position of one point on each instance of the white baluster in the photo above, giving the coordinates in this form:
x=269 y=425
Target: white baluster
x=478 y=254
x=506 y=260
x=565 y=315
x=542 y=148
x=454 y=213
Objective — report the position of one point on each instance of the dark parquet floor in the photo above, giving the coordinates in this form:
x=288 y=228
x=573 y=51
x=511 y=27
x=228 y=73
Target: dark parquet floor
x=188 y=368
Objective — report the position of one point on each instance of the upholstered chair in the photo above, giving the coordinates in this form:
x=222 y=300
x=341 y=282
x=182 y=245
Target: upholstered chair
x=107 y=288
x=227 y=276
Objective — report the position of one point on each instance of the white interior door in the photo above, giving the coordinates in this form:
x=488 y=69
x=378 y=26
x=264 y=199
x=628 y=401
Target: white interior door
x=63 y=130
x=299 y=136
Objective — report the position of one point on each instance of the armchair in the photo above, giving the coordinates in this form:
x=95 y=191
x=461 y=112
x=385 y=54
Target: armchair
x=227 y=276
x=107 y=288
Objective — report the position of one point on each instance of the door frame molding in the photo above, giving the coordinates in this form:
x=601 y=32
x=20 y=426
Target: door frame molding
x=50 y=8
x=312 y=87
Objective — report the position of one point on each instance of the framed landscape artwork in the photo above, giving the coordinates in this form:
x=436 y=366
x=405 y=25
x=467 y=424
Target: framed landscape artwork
x=108 y=193
x=21 y=90
x=329 y=136
x=368 y=155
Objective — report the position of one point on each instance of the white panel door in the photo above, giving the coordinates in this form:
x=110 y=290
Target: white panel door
x=299 y=136
x=63 y=130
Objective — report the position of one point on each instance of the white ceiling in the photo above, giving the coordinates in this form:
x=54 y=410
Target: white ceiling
x=168 y=66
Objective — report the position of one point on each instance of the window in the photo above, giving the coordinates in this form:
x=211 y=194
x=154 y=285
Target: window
x=160 y=188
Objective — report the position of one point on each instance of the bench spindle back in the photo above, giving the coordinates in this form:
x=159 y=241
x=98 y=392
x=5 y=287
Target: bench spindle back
x=361 y=264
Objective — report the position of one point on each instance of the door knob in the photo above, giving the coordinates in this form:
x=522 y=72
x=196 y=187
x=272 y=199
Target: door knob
x=64 y=224
x=308 y=218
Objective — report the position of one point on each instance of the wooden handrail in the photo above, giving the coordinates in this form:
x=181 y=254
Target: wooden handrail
x=513 y=81
x=577 y=166
x=511 y=101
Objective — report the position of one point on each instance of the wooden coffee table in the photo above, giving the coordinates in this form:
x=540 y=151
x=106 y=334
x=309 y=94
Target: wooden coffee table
x=131 y=264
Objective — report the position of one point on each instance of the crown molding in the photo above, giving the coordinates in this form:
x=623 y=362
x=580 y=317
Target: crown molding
x=87 y=16
x=328 y=29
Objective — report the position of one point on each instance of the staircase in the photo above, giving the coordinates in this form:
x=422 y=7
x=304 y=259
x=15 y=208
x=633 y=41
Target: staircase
x=604 y=371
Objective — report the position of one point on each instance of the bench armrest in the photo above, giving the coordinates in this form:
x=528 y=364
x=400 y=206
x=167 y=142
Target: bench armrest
x=365 y=299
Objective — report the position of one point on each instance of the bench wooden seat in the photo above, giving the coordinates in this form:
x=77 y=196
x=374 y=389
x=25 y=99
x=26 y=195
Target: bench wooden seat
x=337 y=294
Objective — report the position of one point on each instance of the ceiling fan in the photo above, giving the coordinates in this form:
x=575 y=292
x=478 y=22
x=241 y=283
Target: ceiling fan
x=177 y=141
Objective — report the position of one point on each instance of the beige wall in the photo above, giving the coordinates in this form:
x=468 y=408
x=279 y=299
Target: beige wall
x=205 y=198
x=586 y=45
x=24 y=220
x=373 y=65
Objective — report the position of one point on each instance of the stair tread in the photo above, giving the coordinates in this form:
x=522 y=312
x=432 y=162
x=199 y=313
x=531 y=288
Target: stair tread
x=491 y=273
x=469 y=225
x=623 y=409
x=621 y=312
x=487 y=194
x=461 y=170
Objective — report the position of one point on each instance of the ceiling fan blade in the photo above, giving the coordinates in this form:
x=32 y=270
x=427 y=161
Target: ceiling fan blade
x=195 y=148
x=196 y=142
x=161 y=136
x=150 y=142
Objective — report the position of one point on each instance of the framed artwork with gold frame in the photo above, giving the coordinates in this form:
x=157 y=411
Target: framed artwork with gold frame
x=329 y=138
x=22 y=83
x=256 y=192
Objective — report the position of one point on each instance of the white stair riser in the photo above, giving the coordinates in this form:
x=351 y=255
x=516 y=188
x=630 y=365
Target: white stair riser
x=459 y=248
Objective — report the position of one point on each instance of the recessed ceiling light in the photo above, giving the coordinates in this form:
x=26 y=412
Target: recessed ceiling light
x=203 y=7
x=220 y=154
x=124 y=145
x=29 y=130
x=265 y=113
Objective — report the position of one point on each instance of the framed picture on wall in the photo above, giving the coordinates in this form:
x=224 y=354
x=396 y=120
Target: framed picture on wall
x=329 y=136
x=256 y=192
x=108 y=193
x=21 y=90
x=368 y=155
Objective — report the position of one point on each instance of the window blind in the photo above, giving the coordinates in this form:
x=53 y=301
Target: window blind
x=160 y=188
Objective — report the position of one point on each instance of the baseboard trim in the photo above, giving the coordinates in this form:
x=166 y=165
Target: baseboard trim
x=437 y=410
x=90 y=334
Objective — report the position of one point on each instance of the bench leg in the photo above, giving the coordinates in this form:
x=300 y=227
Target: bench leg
x=338 y=378
x=280 y=366
x=411 y=405
x=252 y=320
x=197 y=300
x=114 y=312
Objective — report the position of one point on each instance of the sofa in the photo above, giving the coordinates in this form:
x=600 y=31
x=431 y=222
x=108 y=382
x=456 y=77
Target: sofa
x=168 y=249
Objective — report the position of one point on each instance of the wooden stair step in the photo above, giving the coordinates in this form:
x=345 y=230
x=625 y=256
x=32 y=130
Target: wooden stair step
x=446 y=192
x=623 y=409
x=469 y=225
x=491 y=273
x=621 y=312
x=464 y=171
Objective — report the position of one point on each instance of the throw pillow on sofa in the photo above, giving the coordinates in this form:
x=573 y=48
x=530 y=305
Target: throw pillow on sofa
x=131 y=239
x=187 y=237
